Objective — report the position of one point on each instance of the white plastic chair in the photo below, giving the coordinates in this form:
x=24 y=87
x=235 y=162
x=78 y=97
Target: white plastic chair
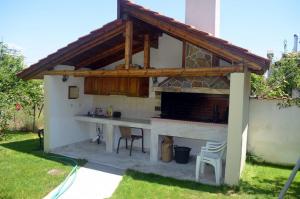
x=211 y=154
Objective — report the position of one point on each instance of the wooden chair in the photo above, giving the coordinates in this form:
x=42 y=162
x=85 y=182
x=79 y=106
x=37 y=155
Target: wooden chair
x=127 y=134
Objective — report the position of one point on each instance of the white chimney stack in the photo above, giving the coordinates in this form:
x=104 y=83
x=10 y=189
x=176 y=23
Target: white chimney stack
x=296 y=37
x=203 y=15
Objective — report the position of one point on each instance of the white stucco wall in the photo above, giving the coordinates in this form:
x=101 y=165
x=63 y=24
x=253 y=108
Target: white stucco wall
x=130 y=107
x=169 y=53
x=245 y=127
x=237 y=126
x=274 y=134
x=60 y=127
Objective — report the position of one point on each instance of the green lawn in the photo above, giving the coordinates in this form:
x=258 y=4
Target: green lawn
x=24 y=168
x=258 y=181
x=24 y=174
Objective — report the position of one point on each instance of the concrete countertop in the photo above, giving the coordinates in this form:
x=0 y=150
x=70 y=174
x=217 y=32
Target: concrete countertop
x=186 y=122
x=123 y=121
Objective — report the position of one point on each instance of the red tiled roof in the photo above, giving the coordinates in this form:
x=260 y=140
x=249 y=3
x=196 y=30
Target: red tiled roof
x=90 y=41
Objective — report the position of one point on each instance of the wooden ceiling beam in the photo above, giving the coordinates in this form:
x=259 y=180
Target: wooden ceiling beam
x=163 y=72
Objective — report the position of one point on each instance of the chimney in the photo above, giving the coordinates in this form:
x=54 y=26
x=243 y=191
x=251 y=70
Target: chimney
x=203 y=15
x=295 y=49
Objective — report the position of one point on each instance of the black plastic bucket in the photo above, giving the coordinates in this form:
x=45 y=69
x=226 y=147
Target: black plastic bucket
x=182 y=154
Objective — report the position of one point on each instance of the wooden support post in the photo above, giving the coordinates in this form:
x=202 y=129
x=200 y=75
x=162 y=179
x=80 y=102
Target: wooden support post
x=146 y=51
x=128 y=44
x=183 y=53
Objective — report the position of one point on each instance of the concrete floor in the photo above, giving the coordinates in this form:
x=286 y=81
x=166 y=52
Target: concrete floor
x=138 y=161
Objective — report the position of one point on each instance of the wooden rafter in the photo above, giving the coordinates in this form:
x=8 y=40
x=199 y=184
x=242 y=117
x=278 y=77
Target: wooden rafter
x=113 y=54
x=128 y=43
x=116 y=57
x=61 y=58
x=101 y=55
x=187 y=36
x=164 y=72
x=146 y=51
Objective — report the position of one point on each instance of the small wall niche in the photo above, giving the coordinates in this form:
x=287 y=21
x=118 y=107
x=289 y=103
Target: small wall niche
x=73 y=92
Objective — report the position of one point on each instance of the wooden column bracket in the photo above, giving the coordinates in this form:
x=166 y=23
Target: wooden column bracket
x=146 y=51
x=128 y=44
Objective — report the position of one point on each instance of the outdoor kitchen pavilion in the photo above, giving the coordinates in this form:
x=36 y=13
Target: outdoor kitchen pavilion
x=138 y=30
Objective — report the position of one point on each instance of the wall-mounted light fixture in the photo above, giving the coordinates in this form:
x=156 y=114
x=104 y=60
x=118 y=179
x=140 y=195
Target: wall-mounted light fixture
x=154 y=81
x=65 y=78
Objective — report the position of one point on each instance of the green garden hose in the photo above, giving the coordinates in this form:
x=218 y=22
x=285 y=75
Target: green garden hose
x=69 y=180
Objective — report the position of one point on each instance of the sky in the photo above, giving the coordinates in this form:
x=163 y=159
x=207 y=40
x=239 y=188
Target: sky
x=38 y=28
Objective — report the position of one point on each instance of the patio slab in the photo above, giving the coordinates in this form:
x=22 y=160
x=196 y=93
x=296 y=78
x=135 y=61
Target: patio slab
x=139 y=161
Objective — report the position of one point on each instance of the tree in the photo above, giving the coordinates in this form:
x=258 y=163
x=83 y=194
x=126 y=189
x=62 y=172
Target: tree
x=287 y=73
x=258 y=85
x=14 y=92
x=285 y=76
